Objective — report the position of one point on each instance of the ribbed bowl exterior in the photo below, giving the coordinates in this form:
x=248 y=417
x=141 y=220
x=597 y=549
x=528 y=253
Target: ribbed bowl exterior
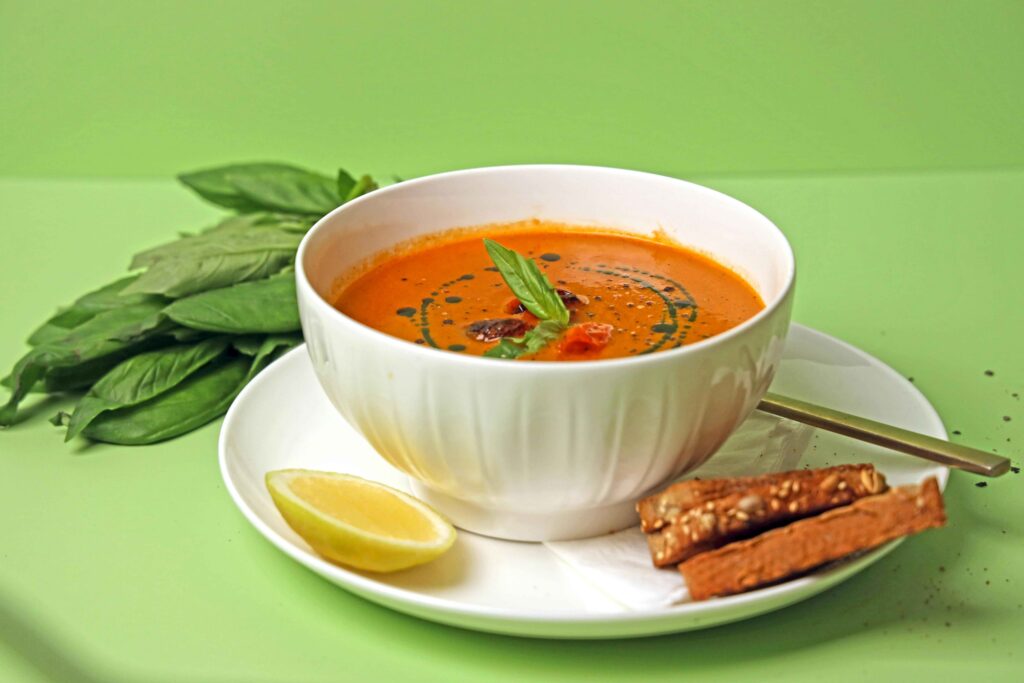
x=510 y=435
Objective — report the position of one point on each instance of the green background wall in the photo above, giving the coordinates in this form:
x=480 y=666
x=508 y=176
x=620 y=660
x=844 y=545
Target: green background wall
x=148 y=88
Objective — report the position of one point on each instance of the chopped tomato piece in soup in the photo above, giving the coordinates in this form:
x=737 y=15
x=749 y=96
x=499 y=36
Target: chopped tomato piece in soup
x=586 y=338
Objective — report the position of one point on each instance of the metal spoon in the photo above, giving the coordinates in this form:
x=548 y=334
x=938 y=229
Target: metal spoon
x=902 y=440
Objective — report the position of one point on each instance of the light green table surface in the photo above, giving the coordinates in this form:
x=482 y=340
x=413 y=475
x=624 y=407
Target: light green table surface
x=132 y=564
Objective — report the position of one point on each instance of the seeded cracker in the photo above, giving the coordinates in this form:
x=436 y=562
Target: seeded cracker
x=770 y=502
x=792 y=550
x=658 y=510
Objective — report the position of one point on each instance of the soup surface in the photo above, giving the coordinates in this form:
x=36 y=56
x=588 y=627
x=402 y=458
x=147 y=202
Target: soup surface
x=627 y=295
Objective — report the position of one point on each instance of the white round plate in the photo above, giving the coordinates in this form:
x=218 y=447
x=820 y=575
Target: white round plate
x=283 y=420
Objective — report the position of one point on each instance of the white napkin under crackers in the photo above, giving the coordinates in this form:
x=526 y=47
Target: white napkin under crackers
x=619 y=565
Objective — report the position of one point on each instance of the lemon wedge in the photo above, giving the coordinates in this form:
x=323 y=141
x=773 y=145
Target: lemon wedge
x=357 y=522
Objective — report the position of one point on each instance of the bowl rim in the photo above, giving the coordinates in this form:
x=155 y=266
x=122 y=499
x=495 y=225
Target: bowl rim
x=304 y=286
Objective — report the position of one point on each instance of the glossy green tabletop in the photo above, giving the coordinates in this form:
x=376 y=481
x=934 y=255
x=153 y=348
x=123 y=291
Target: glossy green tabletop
x=883 y=138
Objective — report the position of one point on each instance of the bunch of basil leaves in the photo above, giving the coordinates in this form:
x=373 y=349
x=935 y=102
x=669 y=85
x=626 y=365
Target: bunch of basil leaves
x=166 y=349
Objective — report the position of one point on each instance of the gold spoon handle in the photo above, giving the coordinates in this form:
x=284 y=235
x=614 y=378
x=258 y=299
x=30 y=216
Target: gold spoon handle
x=902 y=440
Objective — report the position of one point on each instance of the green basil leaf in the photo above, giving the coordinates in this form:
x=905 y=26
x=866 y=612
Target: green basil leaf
x=199 y=264
x=219 y=242
x=78 y=377
x=27 y=371
x=362 y=186
x=253 y=344
x=251 y=307
x=528 y=283
x=176 y=278
x=247 y=344
x=249 y=188
x=242 y=223
x=141 y=378
x=279 y=187
x=256 y=187
x=234 y=234
x=186 y=335
x=83 y=375
x=202 y=397
x=213 y=186
x=531 y=342
x=54 y=329
x=296 y=224
x=305 y=193
x=344 y=184
x=272 y=346
x=87 y=307
x=263 y=220
x=109 y=332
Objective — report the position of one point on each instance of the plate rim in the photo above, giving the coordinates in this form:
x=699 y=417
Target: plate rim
x=797 y=589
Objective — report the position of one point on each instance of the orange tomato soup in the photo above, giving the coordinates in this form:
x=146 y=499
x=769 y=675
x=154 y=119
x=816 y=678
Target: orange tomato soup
x=627 y=295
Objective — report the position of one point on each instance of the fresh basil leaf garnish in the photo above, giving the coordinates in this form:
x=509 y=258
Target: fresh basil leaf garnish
x=537 y=295
x=528 y=283
x=533 y=341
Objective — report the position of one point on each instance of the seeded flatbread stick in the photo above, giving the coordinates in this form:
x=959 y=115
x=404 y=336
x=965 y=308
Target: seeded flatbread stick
x=741 y=514
x=658 y=510
x=803 y=545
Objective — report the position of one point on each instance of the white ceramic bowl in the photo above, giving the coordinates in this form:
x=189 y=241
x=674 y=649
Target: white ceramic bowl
x=543 y=450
